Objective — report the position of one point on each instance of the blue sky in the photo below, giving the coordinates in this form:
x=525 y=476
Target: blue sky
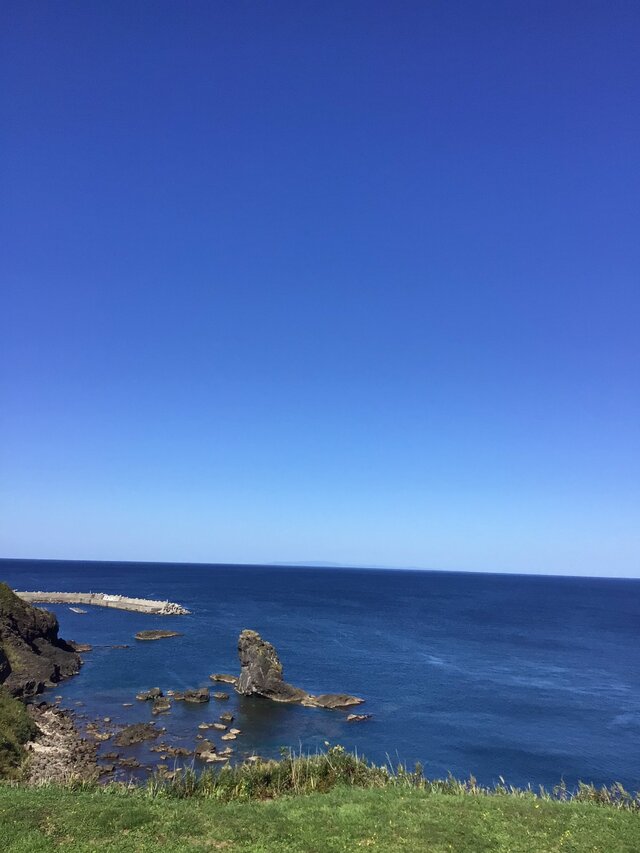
x=355 y=282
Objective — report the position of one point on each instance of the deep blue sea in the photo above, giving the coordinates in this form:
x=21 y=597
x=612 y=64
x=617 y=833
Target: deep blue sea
x=530 y=678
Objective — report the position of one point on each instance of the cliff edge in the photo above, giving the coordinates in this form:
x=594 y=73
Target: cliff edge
x=32 y=656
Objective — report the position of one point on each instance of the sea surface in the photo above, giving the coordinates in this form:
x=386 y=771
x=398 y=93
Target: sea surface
x=535 y=679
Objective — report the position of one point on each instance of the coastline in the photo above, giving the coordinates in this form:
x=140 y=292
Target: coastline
x=58 y=754
x=429 y=644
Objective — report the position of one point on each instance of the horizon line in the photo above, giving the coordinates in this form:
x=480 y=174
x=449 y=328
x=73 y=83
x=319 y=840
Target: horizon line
x=319 y=565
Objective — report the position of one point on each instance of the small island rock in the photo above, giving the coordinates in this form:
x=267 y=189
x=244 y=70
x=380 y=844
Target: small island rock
x=147 y=695
x=156 y=635
x=224 y=678
x=137 y=733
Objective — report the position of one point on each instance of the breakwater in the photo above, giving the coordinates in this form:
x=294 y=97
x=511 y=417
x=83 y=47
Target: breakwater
x=102 y=599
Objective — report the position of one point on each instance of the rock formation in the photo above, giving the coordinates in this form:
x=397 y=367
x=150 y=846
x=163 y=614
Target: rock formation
x=156 y=635
x=261 y=671
x=261 y=674
x=161 y=705
x=136 y=733
x=32 y=656
x=197 y=696
x=224 y=678
x=149 y=695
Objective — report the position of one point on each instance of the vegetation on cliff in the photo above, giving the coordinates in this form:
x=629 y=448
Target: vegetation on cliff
x=16 y=728
x=32 y=656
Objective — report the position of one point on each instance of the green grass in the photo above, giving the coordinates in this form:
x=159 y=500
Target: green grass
x=16 y=728
x=332 y=801
x=345 y=819
x=297 y=774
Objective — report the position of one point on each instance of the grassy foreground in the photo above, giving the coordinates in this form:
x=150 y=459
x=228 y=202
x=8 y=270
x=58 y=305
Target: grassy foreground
x=344 y=819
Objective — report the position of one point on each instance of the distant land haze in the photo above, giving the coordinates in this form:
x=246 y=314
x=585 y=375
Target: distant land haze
x=309 y=564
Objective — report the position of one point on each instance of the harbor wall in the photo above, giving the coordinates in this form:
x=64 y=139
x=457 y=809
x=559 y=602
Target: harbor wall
x=101 y=599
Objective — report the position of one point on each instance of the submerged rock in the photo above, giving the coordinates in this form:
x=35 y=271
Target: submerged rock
x=100 y=736
x=358 y=718
x=332 y=700
x=261 y=674
x=222 y=697
x=167 y=749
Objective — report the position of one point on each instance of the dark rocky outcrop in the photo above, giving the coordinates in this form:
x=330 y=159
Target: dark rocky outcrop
x=149 y=695
x=156 y=635
x=261 y=671
x=261 y=674
x=204 y=746
x=32 y=656
x=201 y=694
x=161 y=705
x=136 y=733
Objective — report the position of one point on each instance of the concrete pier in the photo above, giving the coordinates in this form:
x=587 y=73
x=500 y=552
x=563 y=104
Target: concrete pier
x=102 y=599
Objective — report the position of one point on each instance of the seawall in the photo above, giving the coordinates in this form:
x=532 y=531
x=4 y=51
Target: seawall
x=101 y=599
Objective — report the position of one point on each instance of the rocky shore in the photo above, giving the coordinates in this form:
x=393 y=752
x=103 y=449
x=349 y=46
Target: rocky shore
x=68 y=747
x=58 y=753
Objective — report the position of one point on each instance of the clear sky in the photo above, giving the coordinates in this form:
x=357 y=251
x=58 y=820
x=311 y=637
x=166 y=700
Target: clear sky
x=338 y=281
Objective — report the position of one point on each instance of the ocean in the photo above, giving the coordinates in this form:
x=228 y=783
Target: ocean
x=530 y=678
